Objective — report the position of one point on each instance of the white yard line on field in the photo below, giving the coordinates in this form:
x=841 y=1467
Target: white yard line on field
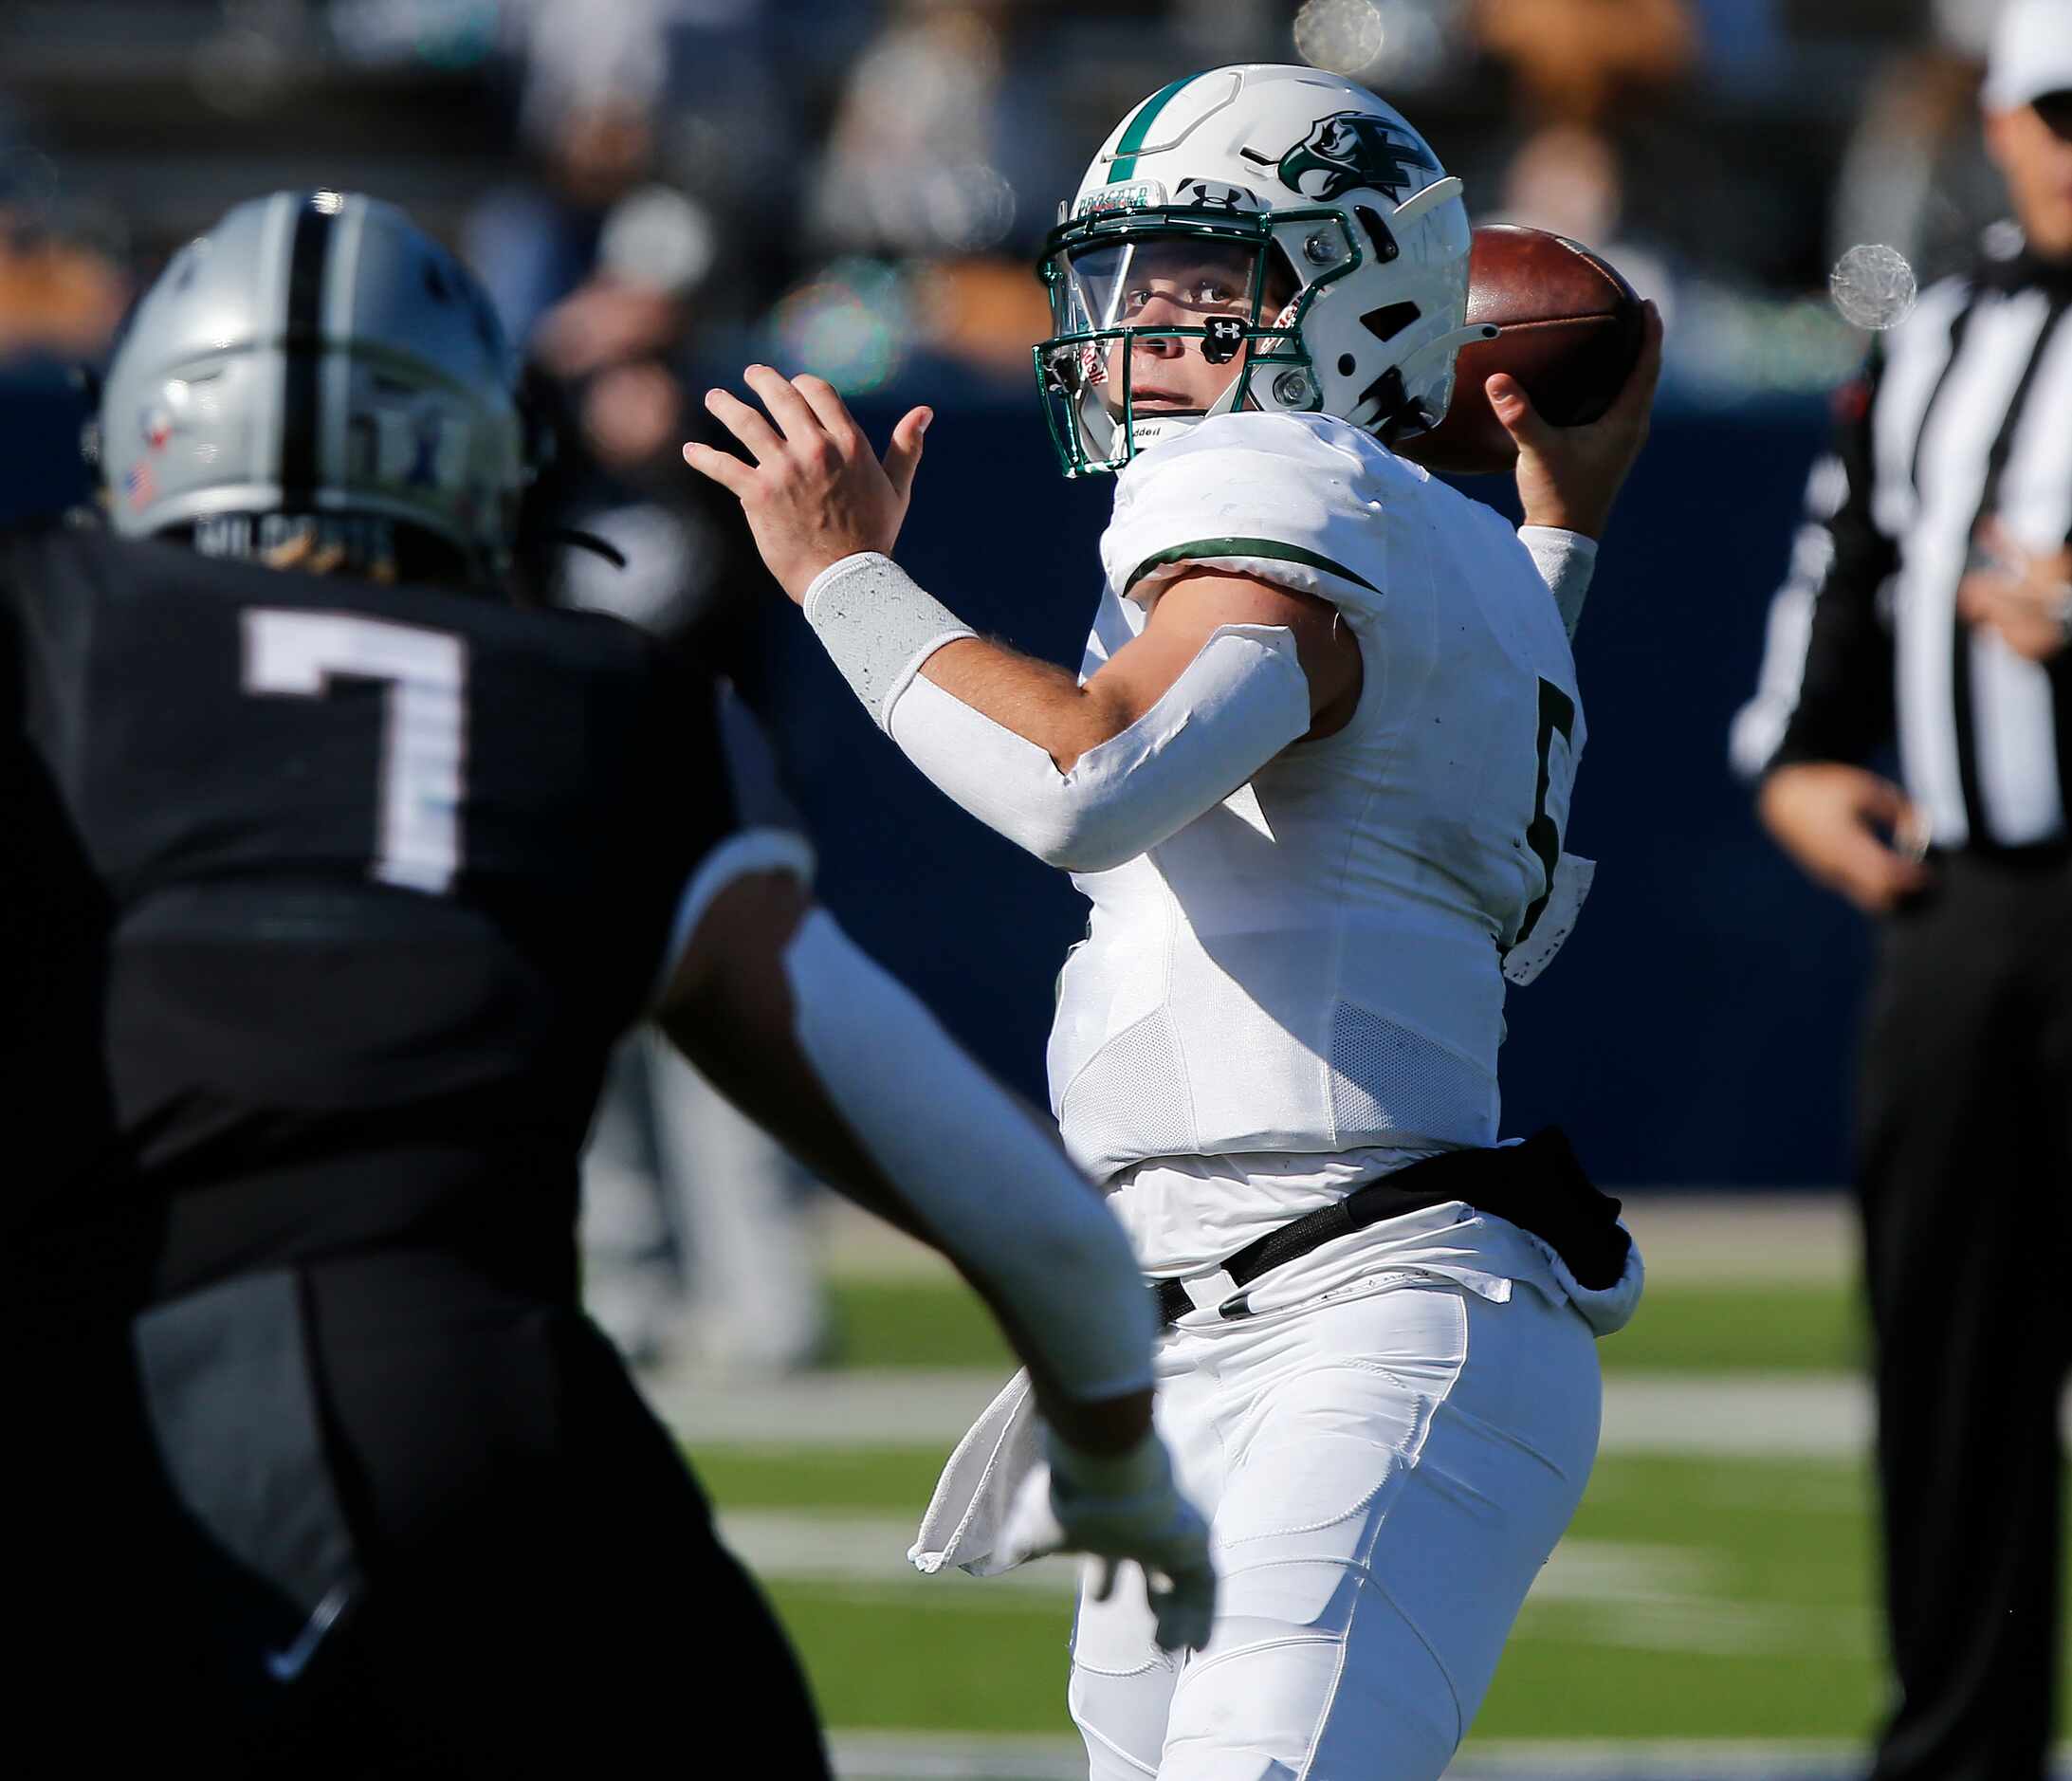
x=1648 y=1597
x=1726 y=1414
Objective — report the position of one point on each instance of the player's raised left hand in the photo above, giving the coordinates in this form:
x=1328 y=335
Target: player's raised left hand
x=816 y=492
x=1569 y=476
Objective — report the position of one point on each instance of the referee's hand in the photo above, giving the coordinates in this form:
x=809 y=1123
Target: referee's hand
x=1834 y=819
x=2022 y=594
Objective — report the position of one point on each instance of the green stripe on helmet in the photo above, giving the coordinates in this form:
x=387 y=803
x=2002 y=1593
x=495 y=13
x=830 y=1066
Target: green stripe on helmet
x=1124 y=163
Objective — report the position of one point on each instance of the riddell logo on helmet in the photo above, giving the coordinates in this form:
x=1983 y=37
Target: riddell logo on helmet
x=1350 y=151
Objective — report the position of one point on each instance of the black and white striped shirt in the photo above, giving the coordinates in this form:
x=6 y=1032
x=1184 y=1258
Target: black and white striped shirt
x=1964 y=412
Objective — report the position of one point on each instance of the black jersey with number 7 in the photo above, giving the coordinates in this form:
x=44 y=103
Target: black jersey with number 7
x=339 y=891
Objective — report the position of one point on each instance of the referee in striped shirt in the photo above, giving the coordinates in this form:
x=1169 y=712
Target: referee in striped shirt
x=1930 y=603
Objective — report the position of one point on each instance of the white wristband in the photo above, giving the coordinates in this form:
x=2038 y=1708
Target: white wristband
x=1566 y=561
x=878 y=625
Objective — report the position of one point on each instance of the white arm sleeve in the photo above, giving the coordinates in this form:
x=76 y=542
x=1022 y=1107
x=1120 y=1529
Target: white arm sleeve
x=1242 y=700
x=999 y=1193
x=746 y=851
x=1566 y=561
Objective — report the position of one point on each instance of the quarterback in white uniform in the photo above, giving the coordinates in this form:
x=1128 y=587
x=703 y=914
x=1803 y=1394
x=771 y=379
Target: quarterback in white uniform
x=1312 y=777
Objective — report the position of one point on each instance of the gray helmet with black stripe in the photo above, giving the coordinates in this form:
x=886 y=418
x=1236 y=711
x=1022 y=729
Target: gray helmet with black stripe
x=316 y=356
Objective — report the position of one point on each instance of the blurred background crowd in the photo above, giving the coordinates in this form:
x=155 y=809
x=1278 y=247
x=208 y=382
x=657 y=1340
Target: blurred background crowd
x=860 y=184
x=657 y=191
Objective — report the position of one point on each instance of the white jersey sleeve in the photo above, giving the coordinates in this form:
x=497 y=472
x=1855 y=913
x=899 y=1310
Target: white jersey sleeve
x=1291 y=499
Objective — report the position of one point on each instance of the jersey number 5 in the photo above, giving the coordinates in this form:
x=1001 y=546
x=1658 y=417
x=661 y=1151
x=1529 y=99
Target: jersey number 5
x=1557 y=714
x=418 y=842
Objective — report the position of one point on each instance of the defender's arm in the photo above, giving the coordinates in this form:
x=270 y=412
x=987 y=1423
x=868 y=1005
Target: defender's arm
x=800 y=1030
x=833 y=1057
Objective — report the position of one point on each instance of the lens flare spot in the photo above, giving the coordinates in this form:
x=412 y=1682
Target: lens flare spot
x=1873 y=286
x=1339 y=36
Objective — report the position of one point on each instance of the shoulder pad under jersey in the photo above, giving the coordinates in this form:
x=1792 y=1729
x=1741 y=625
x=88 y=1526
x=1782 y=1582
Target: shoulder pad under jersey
x=1302 y=501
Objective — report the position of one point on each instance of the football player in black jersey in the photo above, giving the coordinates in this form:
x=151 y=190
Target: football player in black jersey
x=324 y=896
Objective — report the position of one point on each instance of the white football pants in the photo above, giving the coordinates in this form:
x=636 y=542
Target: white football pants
x=1385 y=1475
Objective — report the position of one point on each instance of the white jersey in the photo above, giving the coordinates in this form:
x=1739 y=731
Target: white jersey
x=1315 y=965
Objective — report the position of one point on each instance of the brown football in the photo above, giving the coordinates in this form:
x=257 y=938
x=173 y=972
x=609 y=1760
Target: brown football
x=1569 y=329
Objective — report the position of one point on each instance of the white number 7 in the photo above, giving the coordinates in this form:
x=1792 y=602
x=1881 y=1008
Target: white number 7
x=423 y=740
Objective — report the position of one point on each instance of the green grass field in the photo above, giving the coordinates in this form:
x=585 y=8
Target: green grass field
x=1694 y=1597
x=1686 y=1327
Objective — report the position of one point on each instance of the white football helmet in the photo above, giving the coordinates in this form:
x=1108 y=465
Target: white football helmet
x=1339 y=202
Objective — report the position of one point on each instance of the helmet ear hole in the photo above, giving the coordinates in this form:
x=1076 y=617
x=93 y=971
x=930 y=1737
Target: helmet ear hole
x=1389 y=320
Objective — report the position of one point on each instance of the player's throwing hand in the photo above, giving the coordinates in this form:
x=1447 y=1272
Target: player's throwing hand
x=1569 y=476
x=1112 y=1508
x=816 y=492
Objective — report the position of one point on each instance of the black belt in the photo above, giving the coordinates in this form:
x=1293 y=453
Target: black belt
x=1538 y=1185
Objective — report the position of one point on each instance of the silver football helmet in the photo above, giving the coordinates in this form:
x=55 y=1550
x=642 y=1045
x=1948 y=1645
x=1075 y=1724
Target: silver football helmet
x=315 y=360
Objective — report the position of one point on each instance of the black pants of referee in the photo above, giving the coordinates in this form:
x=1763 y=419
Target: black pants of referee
x=380 y=1516
x=1965 y=1169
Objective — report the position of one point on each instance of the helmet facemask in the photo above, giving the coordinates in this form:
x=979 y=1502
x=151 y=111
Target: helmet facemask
x=1222 y=287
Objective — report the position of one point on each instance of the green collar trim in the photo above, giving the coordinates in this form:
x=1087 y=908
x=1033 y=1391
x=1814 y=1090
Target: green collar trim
x=1125 y=164
x=1268 y=547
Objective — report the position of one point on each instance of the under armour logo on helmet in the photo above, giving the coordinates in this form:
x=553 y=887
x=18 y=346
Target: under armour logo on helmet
x=1213 y=195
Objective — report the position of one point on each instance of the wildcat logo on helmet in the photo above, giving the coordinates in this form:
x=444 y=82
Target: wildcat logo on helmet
x=1350 y=150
